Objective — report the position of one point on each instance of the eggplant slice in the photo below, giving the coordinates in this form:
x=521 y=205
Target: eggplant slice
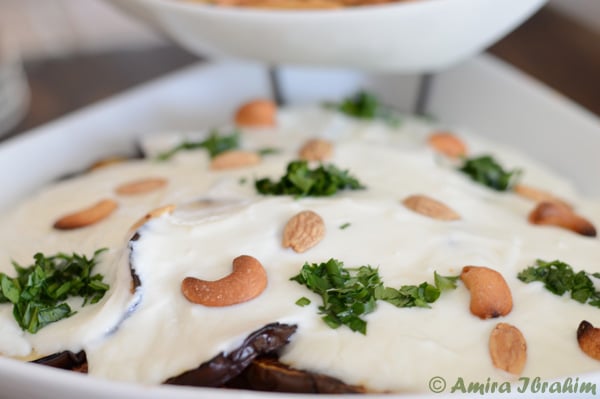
x=66 y=360
x=222 y=368
x=268 y=374
x=253 y=365
x=135 y=279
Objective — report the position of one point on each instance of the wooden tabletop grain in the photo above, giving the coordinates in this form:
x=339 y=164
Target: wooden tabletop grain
x=551 y=47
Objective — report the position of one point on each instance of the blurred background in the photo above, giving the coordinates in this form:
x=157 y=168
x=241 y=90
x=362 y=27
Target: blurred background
x=76 y=52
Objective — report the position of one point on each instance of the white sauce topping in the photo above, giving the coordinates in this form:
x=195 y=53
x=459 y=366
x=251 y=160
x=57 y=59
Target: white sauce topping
x=403 y=348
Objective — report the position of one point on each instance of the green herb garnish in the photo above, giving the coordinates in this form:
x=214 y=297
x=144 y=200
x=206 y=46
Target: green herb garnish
x=350 y=293
x=301 y=181
x=559 y=277
x=268 y=151
x=344 y=226
x=409 y=296
x=365 y=105
x=304 y=301
x=445 y=283
x=421 y=295
x=215 y=144
x=485 y=170
x=347 y=294
x=38 y=291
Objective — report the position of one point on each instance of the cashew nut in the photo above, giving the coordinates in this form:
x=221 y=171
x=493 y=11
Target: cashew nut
x=247 y=281
x=233 y=159
x=316 y=150
x=141 y=186
x=490 y=295
x=537 y=195
x=256 y=113
x=447 y=144
x=559 y=215
x=151 y=215
x=102 y=163
x=588 y=338
x=87 y=216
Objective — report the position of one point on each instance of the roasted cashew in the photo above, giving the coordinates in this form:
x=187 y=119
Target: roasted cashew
x=316 y=150
x=234 y=159
x=87 y=216
x=141 y=186
x=588 y=338
x=490 y=295
x=247 y=281
x=256 y=113
x=151 y=215
x=447 y=144
x=538 y=195
x=559 y=215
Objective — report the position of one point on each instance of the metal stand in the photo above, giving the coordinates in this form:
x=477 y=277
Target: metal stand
x=423 y=93
x=276 y=86
x=421 y=101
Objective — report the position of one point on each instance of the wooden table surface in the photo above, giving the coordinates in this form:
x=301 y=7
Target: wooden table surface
x=550 y=47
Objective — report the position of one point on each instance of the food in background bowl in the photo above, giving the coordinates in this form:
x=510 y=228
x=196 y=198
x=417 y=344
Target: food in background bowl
x=337 y=248
x=296 y=4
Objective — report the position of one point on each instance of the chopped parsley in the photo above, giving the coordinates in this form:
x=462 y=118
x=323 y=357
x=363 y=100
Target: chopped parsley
x=559 y=277
x=301 y=181
x=350 y=293
x=344 y=226
x=487 y=171
x=364 y=105
x=39 y=291
x=304 y=301
x=268 y=151
x=422 y=295
x=215 y=144
x=445 y=283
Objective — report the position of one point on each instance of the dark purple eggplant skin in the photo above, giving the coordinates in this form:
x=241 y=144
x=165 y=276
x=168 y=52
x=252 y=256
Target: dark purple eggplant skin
x=252 y=366
x=268 y=374
x=135 y=279
x=66 y=360
x=222 y=368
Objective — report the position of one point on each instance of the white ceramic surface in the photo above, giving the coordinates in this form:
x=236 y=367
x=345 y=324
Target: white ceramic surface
x=205 y=95
x=426 y=35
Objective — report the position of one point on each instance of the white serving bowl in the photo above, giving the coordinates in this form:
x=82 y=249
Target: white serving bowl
x=419 y=36
x=482 y=95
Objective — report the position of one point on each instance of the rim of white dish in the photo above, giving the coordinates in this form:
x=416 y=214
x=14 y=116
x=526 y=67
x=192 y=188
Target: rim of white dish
x=205 y=7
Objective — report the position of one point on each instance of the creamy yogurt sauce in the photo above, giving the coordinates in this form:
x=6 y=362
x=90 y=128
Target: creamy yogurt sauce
x=159 y=334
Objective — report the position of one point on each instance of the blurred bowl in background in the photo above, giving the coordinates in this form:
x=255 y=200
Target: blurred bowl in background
x=14 y=91
x=416 y=36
